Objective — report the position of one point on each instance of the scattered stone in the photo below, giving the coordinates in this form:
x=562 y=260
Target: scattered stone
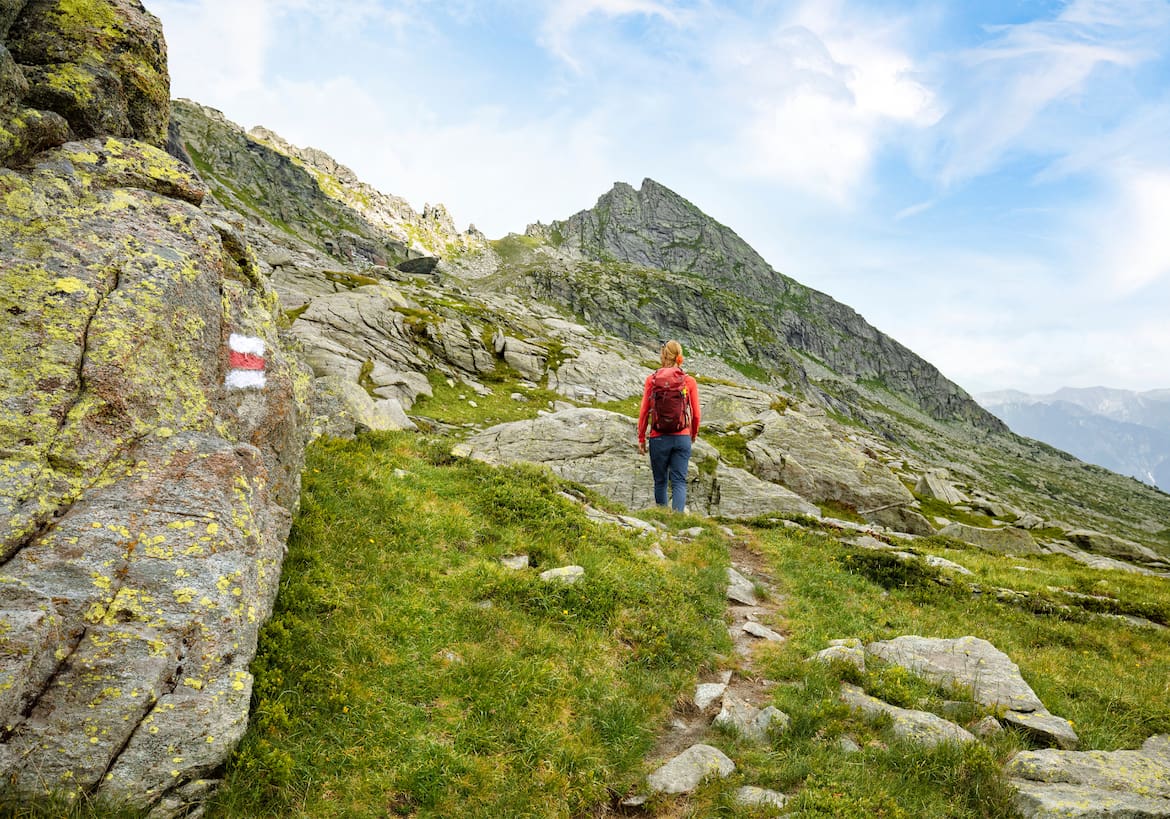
x=751 y=723
x=708 y=693
x=687 y=771
x=848 y=745
x=516 y=396
x=692 y=533
x=635 y=801
x=1029 y=520
x=401 y=473
x=515 y=562
x=740 y=589
x=763 y=632
x=657 y=552
x=945 y=565
x=727 y=531
x=1045 y=727
x=852 y=655
x=752 y=797
x=565 y=574
x=919 y=727
x=987 y=727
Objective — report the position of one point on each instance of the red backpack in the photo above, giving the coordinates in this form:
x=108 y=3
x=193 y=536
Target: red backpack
x=670 y=406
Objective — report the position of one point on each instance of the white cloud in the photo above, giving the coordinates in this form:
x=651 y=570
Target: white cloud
x=1132 y=232
x=1006 y=94
x=216 y=48
x=566 y=16
x=818 y=96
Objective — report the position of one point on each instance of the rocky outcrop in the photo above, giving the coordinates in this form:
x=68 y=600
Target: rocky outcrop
x=1112 y=546
x=1006 y=541
x=975 y=665
x=73 y=70
x=598 y=449
x=150 y=438
x=1090 y=784
x=802 y=453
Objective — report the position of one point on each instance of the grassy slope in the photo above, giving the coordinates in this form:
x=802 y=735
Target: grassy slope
x=406 y=672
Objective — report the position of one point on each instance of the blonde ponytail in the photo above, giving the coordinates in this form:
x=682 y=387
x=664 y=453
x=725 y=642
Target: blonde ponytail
x=671 y=354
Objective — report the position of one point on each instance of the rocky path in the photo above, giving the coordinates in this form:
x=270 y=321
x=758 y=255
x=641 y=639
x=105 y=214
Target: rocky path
x=734 y=697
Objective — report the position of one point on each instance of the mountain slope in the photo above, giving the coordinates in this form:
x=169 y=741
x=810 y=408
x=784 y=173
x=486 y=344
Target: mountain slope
x=1126 y=432
x=491 y=314
x=717 y=293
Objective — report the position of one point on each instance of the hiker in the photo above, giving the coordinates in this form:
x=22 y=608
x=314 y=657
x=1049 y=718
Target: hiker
x=670 y=412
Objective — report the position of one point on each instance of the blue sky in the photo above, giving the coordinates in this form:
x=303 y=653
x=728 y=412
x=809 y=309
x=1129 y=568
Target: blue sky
x=988 y=182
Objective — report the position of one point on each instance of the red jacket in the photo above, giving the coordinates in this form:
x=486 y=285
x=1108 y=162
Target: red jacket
x=644 y=413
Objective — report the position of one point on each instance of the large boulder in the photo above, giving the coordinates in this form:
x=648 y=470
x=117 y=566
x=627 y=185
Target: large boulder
x=1099 y=543
x=594 y=375
x=935 y=483
x=993 y=680
x=150 y=454
x=1008 y=541
x=100 y=64
x=804 y=455
x=728 y=406
x=598 y=449
x=1093 y=783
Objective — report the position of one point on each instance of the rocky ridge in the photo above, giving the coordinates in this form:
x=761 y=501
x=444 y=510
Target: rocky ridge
x=145 y=491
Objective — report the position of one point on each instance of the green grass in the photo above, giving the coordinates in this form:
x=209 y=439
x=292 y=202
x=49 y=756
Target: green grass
x=405 y=671
x=461 y=405
x=1112 y=682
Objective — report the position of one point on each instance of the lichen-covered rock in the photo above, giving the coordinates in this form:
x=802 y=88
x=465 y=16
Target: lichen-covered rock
x=1006 y=541
x=144 y=504
x=918 y=727
x=688 y=770
x=101 y=64
x=802 y=453
x=967 y=662
x=598 y=448
x=594 y=375
x=1093 y=783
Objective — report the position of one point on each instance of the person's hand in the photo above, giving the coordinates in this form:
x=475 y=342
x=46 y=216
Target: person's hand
x=641 y=447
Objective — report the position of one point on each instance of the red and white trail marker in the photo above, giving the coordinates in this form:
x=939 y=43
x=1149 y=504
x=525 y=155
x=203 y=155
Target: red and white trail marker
x=246 y=359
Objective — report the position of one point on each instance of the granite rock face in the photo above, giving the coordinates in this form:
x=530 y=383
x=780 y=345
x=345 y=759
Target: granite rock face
x=718 y=292
x=100 y=64
x=800 y=452
x=598 y=449
x=1093 y=783
x=146 y=489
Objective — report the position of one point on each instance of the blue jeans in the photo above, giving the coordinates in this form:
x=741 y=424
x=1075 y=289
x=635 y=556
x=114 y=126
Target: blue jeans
x=669 y=457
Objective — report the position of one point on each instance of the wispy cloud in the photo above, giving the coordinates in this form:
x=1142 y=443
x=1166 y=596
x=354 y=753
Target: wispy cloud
x=1006 y=94
x=566 y=16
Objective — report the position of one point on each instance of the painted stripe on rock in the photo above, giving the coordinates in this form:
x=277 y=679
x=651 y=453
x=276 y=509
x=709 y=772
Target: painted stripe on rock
x=245 y=379
x=246 y=344
x=245 y=361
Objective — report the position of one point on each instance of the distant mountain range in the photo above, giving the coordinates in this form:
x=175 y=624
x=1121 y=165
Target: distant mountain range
x=1124 y=431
